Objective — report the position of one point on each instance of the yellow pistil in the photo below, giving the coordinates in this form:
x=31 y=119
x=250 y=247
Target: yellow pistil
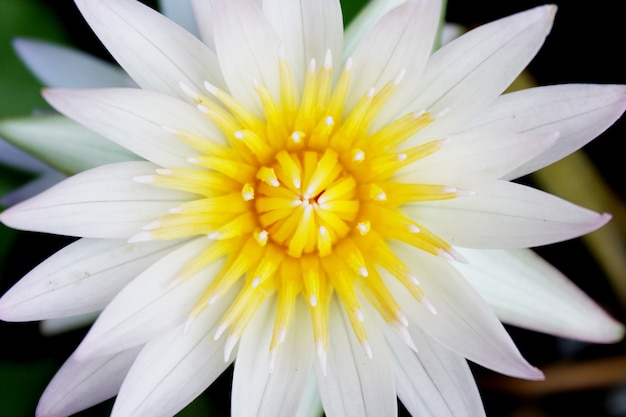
x=301 y=205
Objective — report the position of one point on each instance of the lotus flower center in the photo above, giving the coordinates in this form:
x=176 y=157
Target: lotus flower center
x=306 y=201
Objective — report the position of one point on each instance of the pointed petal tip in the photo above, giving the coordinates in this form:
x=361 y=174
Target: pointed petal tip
x=603 y=219
x=616 y=334
x=606 y=331
x=20 y=44
x=8 y=311
x=7 y=217
x=534 y=374
x=619 y=333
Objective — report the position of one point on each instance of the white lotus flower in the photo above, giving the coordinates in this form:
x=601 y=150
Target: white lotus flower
x=328 y=223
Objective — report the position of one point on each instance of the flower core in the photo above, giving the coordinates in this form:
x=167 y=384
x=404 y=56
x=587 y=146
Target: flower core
x=301 y=202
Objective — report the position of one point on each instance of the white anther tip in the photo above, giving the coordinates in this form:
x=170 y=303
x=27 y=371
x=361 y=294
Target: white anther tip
x=400 y=76
x=170 y=129
x=406 y=337
x=152 y=225
x=348 y=64
x=188 y=324
x=175 y=283
x=359 y=315
x=441 y=113
x=414 y=279
x=219 y=331
x=164 y=171
x=402 y=318
x=188 y=90
x=210 y=88
x=461 y=192
x=239 y=134
x=429 y=306
x=213 y=299
x=358 y=156
x=230 y=345
x=144 y=179
x=296 y=137
x=144 y=236
x=363 y=271
x=322 y=355
x=418 y=114
x=272 y=360
x=313 y=300
x=413 y=228
x=328 y=60
x=367 y=348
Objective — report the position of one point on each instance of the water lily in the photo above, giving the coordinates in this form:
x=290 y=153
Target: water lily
x=330 y=217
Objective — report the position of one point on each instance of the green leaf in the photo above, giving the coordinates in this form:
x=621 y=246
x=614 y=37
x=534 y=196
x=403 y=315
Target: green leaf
x=198 y=407
x=20 y=90
x=21 y=385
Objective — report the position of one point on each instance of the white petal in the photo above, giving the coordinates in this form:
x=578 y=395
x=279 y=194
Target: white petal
x=465 y=83
x=256 y=390
x=60 y=66
x=504 y=215
x=474 y=158
x=81 y=384
x=434 y=381
x=135 y=119
x=400 y=42
x=464 y=323
x=80 y=278
x=247 y=48
x=203 y=9
x=63 y=143
x=371 y=13
x=103 y=202
x=180 y=12
x=308 y=29
x=526 y=291
x=579 y=112
x=354 y=384
x=149 y=305
x=155 y=52
x=175 y=368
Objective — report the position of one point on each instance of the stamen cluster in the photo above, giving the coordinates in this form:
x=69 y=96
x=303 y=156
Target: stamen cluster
x=301 y=202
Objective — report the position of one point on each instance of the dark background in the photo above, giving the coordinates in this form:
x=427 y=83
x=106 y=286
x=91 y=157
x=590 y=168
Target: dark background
x=586 y=45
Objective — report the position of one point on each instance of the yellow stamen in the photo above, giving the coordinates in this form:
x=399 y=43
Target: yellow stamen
x=302 y=201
